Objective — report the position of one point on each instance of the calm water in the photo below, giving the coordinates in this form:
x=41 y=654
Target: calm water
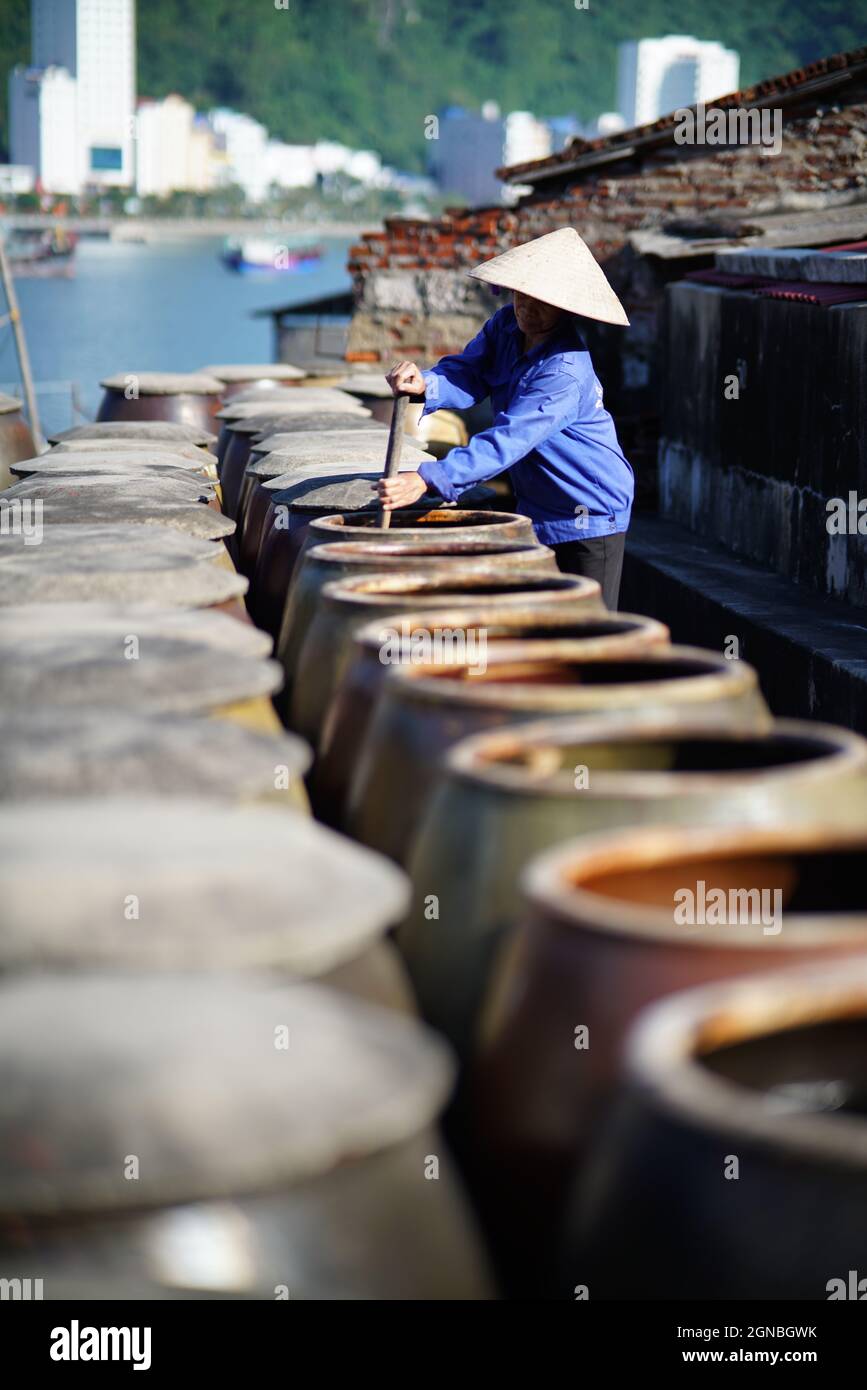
x=167 y=306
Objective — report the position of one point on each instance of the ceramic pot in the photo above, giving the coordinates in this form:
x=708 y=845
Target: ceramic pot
x=424 y=710
x=182 y=399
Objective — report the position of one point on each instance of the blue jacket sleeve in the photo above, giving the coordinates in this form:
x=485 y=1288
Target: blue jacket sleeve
x=458 y=381
x=545 y=405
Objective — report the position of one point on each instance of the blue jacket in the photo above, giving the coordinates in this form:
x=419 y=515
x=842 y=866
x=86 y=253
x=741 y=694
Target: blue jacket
x=550 y=430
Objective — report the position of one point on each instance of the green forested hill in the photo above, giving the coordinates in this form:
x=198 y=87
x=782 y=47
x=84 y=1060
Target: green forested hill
x=367 y=72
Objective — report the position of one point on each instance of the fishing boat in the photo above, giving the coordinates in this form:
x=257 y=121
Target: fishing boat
x=269 y=254
x=41 y=251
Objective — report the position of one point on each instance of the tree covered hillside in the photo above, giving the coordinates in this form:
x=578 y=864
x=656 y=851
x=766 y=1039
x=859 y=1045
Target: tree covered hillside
x=367 y=72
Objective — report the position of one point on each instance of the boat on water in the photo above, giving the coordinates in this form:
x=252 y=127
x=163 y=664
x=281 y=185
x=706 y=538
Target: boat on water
x=36 y=251
x=269 y=254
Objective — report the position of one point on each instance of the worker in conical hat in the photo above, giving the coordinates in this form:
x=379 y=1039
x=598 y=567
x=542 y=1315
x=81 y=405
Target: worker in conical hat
x=551 y=430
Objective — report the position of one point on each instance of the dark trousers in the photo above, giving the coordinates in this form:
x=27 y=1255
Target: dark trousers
x=600 y=558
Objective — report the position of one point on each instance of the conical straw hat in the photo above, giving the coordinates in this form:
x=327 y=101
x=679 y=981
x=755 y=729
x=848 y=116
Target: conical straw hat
x=559 y=269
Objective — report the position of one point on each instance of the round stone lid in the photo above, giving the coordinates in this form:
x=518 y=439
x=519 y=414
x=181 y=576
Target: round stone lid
x=293 y=471
x=366 y=384
x=8 y=404
x=77 y=504
x=285 y=426
x=354 y=492
x=86 y=540
x=233 y=372
x=164 y=383
x=191 y=1076
x=136 y=429
x=116 y=753
x=158 y=486
x=114 y=623
x=293 y=424
x=152 y=448
x=75 y=463
x=95 y=669
x=301 y=400
x=32 y=575
x=334 y=452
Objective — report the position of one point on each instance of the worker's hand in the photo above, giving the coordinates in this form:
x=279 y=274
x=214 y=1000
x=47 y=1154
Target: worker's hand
x=405 y=379
x=401 y=490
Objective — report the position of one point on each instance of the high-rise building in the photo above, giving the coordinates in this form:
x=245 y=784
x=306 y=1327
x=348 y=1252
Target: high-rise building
x=42 y=126
x=175 y=149
x=94 y=40
x=658 y=76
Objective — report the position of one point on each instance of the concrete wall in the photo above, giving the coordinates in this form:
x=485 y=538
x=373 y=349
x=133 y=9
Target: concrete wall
x=756 y=470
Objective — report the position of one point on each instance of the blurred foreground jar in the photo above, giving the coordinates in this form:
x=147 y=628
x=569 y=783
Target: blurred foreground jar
x=735 y=1166
x=165 y=1137
x=615 y=922
x=137 y=657
x=16 y=437
x=506 y=796
x=423 y=710
x=115 y=751
x=182 y=398
x=214 y=887
x=343 y=609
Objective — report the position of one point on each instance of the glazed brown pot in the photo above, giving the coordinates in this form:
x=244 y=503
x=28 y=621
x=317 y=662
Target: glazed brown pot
x=332 y=564
x=295 y=1178
x=768 y=1074
x=280 y=547
x=16 y=438
x=527 y=788
x=182 y=399
x=343 y=609
x=423 y=711
x=603 y=939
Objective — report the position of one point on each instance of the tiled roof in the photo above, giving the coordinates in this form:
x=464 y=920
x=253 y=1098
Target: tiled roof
x=818 y=79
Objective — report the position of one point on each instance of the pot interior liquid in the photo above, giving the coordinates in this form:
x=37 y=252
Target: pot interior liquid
x=810 y=883
x=820 y=1067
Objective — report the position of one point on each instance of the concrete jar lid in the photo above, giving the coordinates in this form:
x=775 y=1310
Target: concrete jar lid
x=184 y=1073
x=164 y=383
x=93 y=670
x=120 y=753
x=8 y=404
x=112 y=623
x=151 y=573
x=233 y=372
x=136 y=429
x=72 y=462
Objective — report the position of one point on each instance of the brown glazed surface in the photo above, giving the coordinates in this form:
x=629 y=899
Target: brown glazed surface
x=423 y=711
x=195 y=410
x=769 y=1070
x=505 y=797
x=16 y=443
x=594 y=953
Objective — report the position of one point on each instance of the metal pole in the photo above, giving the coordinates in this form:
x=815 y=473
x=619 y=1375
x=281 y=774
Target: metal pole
x=21 y=346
